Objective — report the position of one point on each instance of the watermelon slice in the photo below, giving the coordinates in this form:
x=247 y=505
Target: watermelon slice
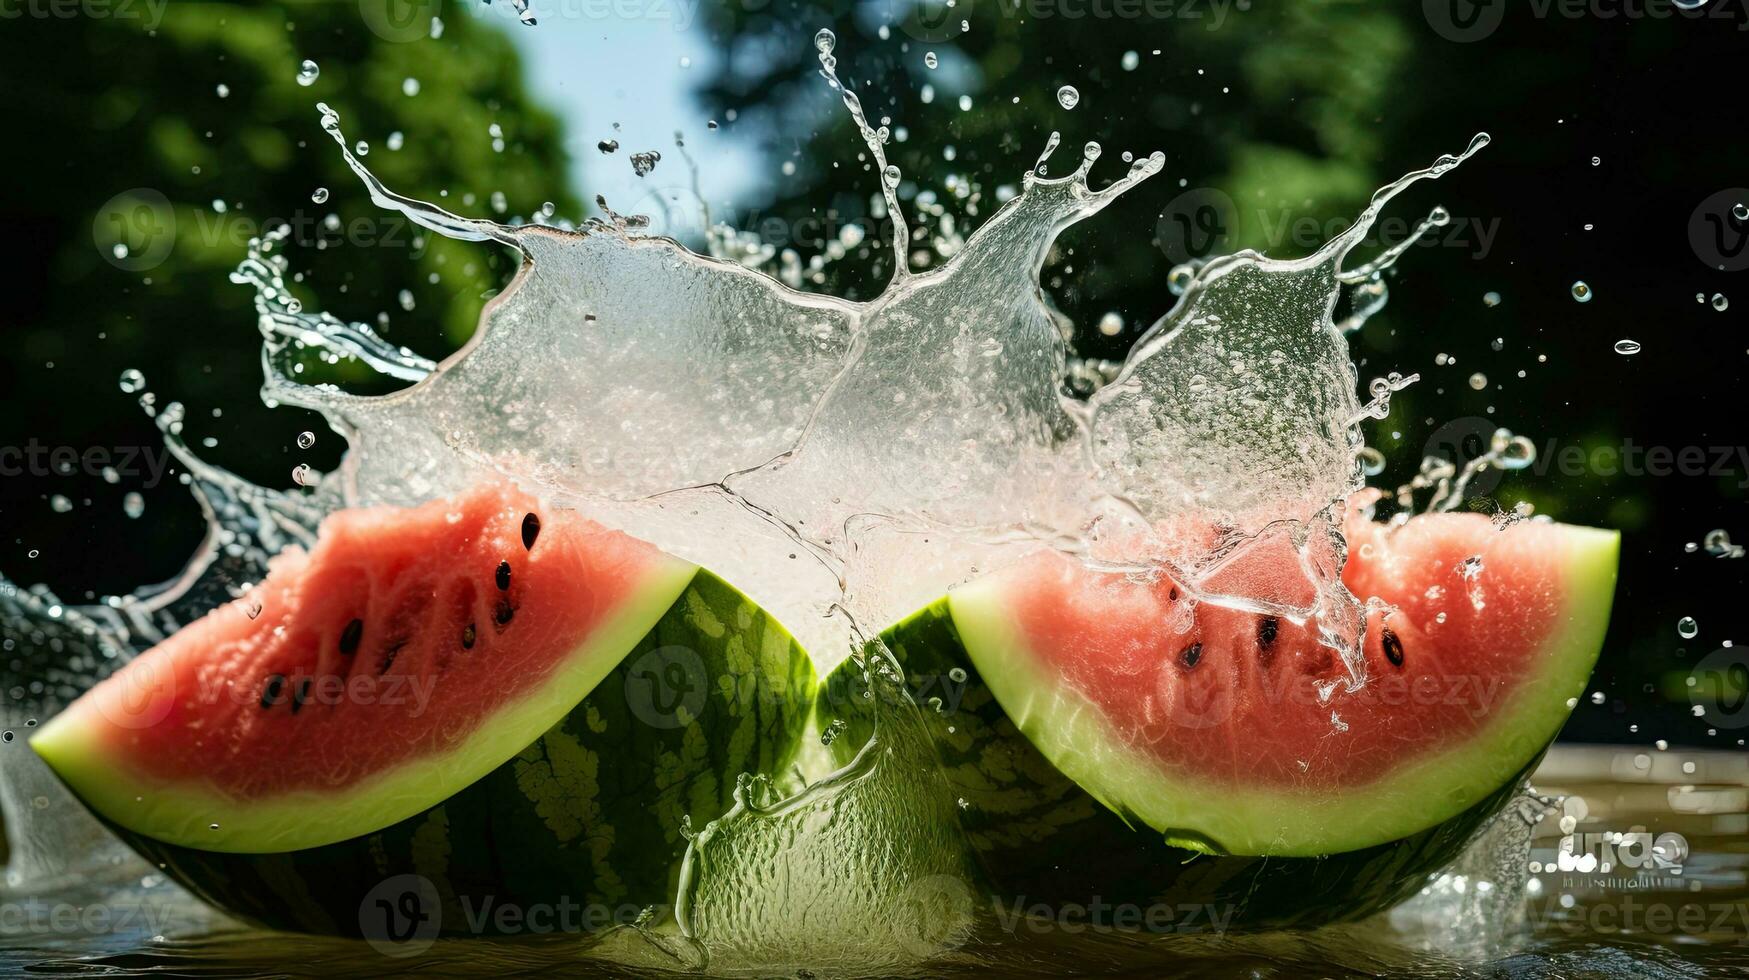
x=1113 y=741
x=505 y=699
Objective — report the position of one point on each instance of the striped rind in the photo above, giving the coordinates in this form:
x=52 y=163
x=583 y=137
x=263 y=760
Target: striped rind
x=585 y=821
x=1070 y=731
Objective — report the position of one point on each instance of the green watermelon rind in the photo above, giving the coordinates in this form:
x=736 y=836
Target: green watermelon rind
x=1039 y=836
x=191 y=815
x=1069 y=730
x=586 y=822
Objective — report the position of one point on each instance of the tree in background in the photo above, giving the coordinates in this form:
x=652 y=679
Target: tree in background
x=181 y=131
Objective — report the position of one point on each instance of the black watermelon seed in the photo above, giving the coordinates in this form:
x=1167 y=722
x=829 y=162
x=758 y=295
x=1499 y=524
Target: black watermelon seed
x=1393 y=647
x=1267 y=627
x=503 y=576
x=350 y=636
x=503 y=613
x=270 y=694
x=1190 y=655
x=1173 y=595
x=530 y=531
x=389 y=655
x=468 y=637
x=300 y=694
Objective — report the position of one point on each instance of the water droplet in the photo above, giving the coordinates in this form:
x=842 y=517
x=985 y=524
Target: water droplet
x=643 y=163
x=1740 y=212
x=308 y=72
x=1131 y=60
x=132 y=381
x=306 y=439
x=319 y=195
x=223 y=90
x=891 y=175
x=361 y=148
x=1687 y=628
x=1625 y=346
x=119 y=250
x=1720 y=303
x=1372 y=462
x=1111 y=324
x=1478 y=381
x=60 y=504
x=133 y=504
x=1068 y=97
x=303 y=476
x=409 y=86
x=607 y=146
x=929 y=59
x=1490 y=298
x=825 y=40
x=1596 y=161
x=1582 y=291
x=405 y=298
x=1179 y=278
x=1598 y=697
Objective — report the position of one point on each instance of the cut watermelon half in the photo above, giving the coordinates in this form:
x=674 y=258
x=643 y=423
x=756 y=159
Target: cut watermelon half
x=501 y=697
x=1104 y=730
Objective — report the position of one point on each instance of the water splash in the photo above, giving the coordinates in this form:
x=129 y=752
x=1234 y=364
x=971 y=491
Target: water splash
x=823 y=442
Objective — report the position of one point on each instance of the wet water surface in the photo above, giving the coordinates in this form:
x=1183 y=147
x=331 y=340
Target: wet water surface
x=1654 y=883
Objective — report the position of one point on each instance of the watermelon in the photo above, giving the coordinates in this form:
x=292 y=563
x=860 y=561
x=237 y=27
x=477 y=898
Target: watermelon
x=1112 y=741
x=499 y=702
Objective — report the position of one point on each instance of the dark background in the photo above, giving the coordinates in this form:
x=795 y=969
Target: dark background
x=1290 y=111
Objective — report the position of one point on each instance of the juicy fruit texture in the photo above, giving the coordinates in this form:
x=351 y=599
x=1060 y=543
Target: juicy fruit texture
x=571 y=699
x=1111 y=738
x=406 y=656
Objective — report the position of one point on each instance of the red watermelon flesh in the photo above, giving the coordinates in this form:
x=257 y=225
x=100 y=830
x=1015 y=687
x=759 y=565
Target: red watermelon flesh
x=1236 y=730
x=409 y=653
